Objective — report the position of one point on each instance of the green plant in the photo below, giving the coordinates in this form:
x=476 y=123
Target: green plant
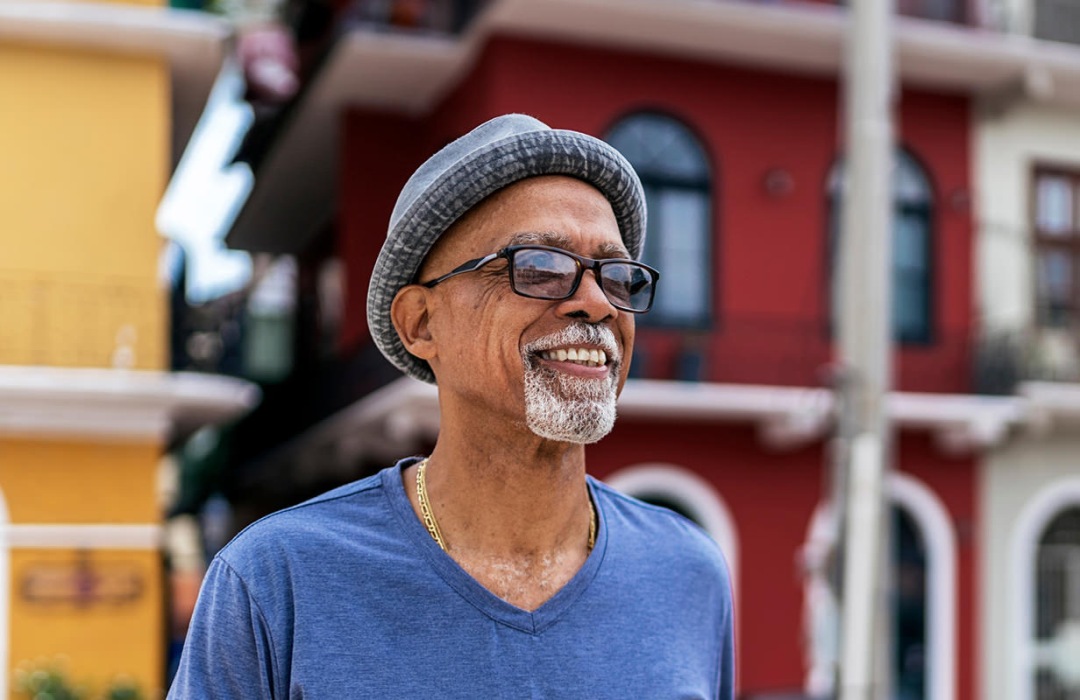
x=50 y=682
x=123 y=689
x=47 y=684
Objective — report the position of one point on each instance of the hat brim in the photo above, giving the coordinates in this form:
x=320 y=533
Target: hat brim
x=474 y=177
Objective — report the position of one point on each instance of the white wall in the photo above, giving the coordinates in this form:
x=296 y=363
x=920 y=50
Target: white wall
x=1009 y=143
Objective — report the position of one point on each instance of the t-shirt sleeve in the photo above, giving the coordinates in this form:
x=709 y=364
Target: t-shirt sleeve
x=228 y=652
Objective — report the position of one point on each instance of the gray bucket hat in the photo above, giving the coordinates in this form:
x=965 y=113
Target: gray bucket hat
x=495 y=154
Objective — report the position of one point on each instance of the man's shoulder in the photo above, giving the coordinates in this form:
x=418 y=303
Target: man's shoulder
x=311 y=525
x=658 y=532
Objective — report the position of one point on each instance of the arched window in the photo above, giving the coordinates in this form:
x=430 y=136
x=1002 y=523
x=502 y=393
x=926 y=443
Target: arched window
x=924 y=596
x=1057 y=608
x=913 y=201
x=676 y=176
x=1045 y=569
x=909 y=607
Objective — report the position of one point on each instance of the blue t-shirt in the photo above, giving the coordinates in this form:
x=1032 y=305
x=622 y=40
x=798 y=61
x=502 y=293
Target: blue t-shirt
x=348 y=596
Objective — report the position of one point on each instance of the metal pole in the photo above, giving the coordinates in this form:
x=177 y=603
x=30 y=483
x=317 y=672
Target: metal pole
x=865 y=332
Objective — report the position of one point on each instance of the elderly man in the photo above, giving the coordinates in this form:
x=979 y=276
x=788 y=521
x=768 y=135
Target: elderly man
x=493 y=568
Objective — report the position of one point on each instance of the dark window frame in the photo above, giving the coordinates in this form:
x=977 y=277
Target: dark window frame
x=1067 y=242
x=705 y=186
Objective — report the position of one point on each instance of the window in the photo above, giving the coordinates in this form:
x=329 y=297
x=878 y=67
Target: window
x=1057 y=248
x=1045 y=570
x=909 y=607
x=674 y=171
x=911 y=252
x=924 y=599
x=1057 y=608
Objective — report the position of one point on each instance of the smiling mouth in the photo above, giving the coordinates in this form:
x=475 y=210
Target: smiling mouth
x=587 y=357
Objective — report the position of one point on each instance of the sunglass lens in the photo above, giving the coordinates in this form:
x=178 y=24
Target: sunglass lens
x=544 y=274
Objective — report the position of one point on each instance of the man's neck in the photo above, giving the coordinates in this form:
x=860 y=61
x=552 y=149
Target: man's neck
x=514 y=513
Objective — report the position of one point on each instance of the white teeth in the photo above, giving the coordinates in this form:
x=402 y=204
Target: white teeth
x=585 y=356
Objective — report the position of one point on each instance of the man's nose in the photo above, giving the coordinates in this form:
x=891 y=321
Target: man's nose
x=589 y=301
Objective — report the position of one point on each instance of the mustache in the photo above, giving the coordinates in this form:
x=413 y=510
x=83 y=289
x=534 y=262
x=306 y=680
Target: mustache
x=579 y=334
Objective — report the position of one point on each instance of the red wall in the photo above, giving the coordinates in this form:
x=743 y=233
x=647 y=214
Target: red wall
x=770 y=253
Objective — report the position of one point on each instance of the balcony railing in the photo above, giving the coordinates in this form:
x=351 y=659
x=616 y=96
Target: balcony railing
x=1005 y=358
x=81 y=321
x=774 y=350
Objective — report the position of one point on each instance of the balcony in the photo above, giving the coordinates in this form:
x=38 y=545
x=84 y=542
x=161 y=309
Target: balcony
x=62 y=337
x=1005 y=358
x=81 y=321
x=779 y=351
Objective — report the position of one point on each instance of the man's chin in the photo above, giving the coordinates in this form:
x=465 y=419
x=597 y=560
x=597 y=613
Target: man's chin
x=578 y=421
x=568 y=409
x=594 y=434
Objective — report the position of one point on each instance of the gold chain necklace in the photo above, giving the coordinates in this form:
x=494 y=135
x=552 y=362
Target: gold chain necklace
x=425 y=508
x=433 y=526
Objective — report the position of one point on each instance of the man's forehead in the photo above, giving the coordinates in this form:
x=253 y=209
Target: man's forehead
x=553 y=210
x=558 y=239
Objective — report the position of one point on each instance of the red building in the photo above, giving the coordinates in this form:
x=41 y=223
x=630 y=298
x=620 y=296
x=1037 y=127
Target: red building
x=730 y=113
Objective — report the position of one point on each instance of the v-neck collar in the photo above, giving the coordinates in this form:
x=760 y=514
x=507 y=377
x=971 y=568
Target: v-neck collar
x=472 y=590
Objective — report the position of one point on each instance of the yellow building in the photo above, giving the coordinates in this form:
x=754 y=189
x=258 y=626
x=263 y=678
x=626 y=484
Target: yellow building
x=93 y=99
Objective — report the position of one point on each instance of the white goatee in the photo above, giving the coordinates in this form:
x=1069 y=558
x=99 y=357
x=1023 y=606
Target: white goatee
x=566 y=408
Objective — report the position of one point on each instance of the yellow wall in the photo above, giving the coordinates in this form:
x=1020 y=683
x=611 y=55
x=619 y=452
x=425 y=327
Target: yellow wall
x=79 y=482
x=66 y=482
x=84 y=159
x=84 y=141
x=98 y=641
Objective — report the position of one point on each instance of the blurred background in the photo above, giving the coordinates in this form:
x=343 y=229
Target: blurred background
x=192 y=197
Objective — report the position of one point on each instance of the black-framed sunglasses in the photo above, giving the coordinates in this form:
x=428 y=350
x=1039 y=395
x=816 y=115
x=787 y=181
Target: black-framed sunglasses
x=543 y=272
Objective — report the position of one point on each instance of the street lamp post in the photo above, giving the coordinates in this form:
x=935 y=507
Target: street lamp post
x=865 y=332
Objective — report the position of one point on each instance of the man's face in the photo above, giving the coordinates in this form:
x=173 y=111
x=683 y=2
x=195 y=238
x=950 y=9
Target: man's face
x=556 y=366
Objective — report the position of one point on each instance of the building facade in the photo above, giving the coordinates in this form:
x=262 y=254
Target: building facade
x=1026 y=155
x=87 y=406
x=730 y=113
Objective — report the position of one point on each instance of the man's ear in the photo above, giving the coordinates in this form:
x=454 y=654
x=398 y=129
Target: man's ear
x=410 y=314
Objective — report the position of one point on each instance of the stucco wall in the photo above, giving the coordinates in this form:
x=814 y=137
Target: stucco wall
x=1008 y=145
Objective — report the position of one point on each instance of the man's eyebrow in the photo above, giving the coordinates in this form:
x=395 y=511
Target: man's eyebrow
x=561 y=240
x=613 y=250
x=551 y=238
